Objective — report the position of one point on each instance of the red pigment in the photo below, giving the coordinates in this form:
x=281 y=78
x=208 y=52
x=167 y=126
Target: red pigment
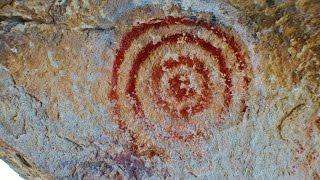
x=177 y=89
x=206 y=94
x=136 y=31
x=156 y=23
x=150 y=47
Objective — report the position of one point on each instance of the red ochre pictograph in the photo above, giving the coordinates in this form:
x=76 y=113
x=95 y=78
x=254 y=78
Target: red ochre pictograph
x=180 y=87
x=174 y=76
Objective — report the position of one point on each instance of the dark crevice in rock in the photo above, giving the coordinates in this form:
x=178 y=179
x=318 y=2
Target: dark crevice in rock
x=280 y=126
x=77 y=146
x=22 y=20
x=20 y=164
x=3 y=3
x=98 y=29
x=18 y=19
x=23 y=160
x=270 y=2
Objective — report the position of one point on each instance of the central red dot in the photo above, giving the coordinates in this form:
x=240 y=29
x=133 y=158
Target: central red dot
x=180 y=87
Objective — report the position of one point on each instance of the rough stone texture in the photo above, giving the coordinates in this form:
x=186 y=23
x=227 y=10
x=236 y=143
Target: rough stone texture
x=57 y=119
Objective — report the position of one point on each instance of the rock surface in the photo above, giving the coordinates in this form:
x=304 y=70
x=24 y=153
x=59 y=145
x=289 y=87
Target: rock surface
x=86 y=90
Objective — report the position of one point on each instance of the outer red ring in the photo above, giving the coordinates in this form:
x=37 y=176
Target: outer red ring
x=136 y=31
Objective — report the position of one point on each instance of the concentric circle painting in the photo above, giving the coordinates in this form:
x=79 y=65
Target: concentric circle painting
x=175 y=81
x=168 y=89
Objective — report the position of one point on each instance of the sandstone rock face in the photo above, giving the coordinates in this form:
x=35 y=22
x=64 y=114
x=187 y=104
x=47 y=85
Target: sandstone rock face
x=160 y=89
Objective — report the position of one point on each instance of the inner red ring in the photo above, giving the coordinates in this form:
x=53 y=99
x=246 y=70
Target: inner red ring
x=180 y=87
x=188 y=38
x=206 y=93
